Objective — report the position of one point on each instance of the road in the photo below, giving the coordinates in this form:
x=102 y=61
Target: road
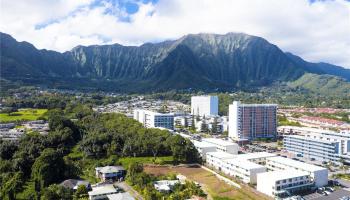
x=129 y=189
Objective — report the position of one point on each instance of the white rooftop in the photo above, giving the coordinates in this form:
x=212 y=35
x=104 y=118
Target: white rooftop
x=249 y=156
x=296 y=164
x=221 y=155
x=219 y=142
x=154 y=112
x=202 y=144
x=101 y=190
x=109 y=169
x=281 y=174
x=120 y=196
x=314 y=139
x=245 y=164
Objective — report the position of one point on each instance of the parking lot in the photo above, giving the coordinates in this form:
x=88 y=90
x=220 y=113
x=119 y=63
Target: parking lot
x=333 y=196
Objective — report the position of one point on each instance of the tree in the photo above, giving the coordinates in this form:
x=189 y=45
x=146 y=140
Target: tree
x=48 y=167
x=133 y=170
x=215 y=125
x=7 y=149
x=193 y=124
x=12 y=186
x=182 y=150
x=204 y=127
x=186 y=122
x=56 y=192
x=81 y=191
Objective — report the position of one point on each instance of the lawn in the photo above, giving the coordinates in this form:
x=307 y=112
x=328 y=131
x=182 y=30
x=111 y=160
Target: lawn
x=216 y=188
x=22 y=115
x=146 y=160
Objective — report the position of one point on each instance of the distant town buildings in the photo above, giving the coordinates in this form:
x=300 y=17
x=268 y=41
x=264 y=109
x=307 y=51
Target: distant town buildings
x=139 y=102
x=252 y=121
x=9 y=131
x=320 y=122
x=204 y=105
x=151 y=119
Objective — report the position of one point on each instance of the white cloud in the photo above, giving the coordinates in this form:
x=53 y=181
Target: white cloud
x=318 y=31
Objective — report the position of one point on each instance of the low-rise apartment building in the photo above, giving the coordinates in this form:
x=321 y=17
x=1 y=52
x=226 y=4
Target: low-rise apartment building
x=319 y=175
x=223 y=145
x=216 y=159
x=203 y=148
x=318 y=144
x=281 y=183
x=243 y=169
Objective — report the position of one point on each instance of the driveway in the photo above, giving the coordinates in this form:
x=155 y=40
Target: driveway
x=129 y=189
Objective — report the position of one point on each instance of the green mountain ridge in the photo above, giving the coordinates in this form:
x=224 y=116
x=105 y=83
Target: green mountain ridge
x=322 y=84
x=195 y=61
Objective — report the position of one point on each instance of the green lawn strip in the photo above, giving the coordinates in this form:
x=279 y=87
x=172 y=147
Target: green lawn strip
x=22 y=115
x=146 y=160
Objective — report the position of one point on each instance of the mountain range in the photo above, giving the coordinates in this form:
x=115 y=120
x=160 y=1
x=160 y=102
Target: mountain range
x=197 y=61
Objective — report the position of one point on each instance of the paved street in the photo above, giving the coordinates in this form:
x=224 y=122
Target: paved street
x=344 y=183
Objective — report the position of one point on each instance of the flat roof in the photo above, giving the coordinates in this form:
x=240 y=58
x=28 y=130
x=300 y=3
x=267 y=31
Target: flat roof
x=219 y=142
x=311 y=139
x=104 y=189
x=297 y=164
x=109 y=169
x=202 y=144
x=120 y=196
x=245 y=164
x=221 y=155
x=281 y=174
x=255 y=155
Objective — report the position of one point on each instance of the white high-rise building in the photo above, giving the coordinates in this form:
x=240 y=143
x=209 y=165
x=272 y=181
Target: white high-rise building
x=204 y=105
x=252 y=121
x=152 y=119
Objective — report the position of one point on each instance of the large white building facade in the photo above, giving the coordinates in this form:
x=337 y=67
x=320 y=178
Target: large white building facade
x=223 y=145
x=152 y=119
x=252 y=121
x=282 y=183
x=319 y=175
x=204 y=105
x=318 y=144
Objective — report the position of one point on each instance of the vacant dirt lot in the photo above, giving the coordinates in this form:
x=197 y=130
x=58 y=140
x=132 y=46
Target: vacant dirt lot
x=215 y=187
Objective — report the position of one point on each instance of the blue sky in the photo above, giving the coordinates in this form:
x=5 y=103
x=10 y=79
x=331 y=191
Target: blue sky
x=316 y=30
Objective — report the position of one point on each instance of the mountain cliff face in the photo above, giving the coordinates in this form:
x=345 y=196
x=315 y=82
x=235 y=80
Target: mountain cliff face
x=201 y=61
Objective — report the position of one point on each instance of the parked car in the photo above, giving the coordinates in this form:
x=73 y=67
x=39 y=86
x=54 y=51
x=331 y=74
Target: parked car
x=327 y=192
x=329 y=189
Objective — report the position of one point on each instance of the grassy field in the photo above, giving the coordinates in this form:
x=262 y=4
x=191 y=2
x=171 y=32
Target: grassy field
x=216 y=188
x=22 y=115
